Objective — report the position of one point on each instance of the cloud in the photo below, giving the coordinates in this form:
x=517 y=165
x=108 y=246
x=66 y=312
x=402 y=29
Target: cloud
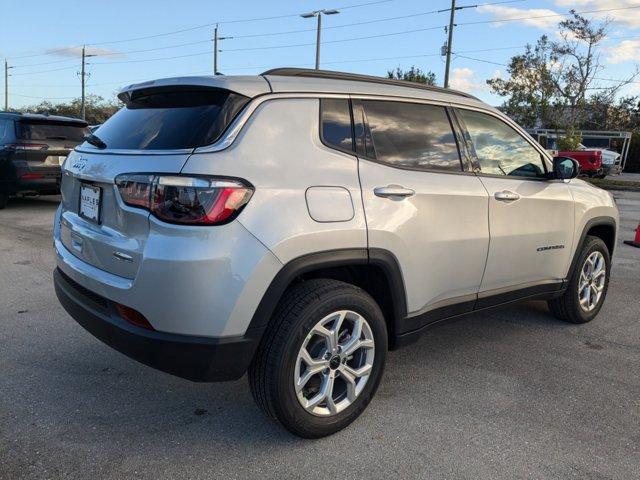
x=465 y=79
x=77 y=52
x=533 y=17
x=625 y=51
x=628 y=17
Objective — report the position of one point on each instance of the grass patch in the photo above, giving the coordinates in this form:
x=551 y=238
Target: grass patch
x=606 y=182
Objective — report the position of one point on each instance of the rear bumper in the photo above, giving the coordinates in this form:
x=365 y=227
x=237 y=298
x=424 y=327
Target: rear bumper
x=611 y=169
x=200 y=359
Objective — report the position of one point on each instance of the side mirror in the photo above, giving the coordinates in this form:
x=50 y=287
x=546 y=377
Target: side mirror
x=565 y=168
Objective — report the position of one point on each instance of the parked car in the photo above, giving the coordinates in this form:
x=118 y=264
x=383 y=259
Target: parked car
x=611 y=161
x=590 y=161
x=297 y=224
x=32 y=148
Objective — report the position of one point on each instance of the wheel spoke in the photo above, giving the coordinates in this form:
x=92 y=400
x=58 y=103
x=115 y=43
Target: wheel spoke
x=335 y=330
x=357 y=372
x=350 y=380
x=327 y=389
x=595 y=295
x=583 y=281
x=327 y=334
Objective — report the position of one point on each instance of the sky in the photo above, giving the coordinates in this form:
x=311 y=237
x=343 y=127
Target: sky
x=138 y=40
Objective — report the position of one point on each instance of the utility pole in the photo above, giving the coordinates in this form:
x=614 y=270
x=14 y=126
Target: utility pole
x=449 y=43
x=83 y=81
x=447 y=49
x=318 y=41
x=319 y=13
x=216 y=38
x=6 y=85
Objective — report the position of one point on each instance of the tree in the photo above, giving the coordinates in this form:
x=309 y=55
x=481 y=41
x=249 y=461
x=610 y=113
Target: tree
x=414 y=74
x=550 y=84
x=529 y=87
x=98 y=110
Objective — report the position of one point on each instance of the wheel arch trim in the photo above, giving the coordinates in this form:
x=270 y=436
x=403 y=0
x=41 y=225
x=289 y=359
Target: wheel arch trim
x=593 y=222
x=329 y=259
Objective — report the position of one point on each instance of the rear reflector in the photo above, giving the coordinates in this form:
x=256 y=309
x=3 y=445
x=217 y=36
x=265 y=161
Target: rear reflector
x=132 y=316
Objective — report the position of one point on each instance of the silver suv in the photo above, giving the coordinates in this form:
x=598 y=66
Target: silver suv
x=297 y=224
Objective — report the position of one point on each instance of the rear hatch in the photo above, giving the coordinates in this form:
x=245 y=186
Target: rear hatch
x=155 y=133
x=43 y=144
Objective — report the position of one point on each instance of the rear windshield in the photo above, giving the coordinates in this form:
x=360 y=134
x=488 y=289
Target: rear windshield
x=50 y=131
x=157 y=119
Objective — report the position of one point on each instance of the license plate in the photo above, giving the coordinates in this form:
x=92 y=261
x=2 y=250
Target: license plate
x=90 y=202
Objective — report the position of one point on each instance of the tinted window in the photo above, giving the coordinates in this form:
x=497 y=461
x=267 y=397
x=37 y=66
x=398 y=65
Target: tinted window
x=36 y=130
x=158 y=119
x=499 y=148
x=336 y=122
x=4 y=129
x=412 y=135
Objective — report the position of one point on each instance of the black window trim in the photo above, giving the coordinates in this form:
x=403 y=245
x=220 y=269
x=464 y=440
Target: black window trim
x=326 y=143
x=479 y=172
x=465 y=168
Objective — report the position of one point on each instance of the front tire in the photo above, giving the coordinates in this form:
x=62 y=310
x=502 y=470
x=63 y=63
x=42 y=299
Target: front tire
x=587 y=287
x=321 y=360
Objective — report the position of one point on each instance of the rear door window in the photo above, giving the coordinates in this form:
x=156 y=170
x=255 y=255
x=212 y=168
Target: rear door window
x=160 y=119
x=48 y=130
x=336 y=123
x=412 y=135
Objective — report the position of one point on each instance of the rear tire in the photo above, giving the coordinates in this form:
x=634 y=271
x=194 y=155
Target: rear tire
x=4 y=199
x=585 y=295
x=292 y=350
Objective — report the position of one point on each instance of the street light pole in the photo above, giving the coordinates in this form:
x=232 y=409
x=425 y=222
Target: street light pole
x=318 y=14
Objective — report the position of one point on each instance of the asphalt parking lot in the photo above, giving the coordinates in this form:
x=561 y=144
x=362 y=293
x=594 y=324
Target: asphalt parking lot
x=512 y=393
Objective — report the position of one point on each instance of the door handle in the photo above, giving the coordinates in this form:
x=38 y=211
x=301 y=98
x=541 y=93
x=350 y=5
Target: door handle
x=393 y=191
x=506 y=196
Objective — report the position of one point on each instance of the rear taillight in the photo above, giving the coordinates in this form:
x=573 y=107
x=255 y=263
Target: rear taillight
x=26 y=146
x=32 y=176
x=185 y=200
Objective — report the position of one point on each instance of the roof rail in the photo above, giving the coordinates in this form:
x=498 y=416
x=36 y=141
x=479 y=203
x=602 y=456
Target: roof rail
x=329 y=74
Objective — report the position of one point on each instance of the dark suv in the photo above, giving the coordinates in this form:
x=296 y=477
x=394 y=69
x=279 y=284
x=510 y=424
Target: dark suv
x=32 y=148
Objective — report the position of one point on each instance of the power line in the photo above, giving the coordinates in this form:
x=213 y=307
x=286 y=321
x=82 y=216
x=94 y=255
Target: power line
x=482 y=60
x=504 y=20
x=338 y=41
x=44 y=71
x=266 y=34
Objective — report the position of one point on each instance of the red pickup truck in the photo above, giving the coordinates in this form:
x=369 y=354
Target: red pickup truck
x=590 y=161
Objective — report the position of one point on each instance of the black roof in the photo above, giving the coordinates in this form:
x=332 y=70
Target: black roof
x=329 y=74
x=43 y=117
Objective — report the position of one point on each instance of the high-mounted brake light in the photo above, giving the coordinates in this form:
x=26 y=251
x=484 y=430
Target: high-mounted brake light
x=185 y=200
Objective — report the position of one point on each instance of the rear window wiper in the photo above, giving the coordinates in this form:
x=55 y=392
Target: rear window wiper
x=95 y=141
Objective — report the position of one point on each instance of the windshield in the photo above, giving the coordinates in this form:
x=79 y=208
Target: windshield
x=157 y=119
